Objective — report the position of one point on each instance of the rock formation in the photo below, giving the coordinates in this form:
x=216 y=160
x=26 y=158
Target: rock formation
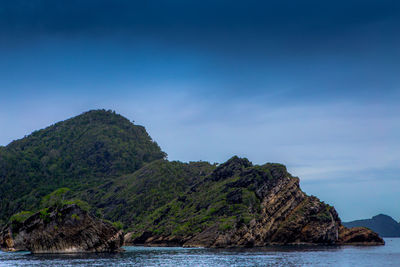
x=278 y=213
x=358 y=236
x=117 y=168
x=67 y=229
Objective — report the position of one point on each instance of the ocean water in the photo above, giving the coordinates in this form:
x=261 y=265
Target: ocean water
x=388 y=255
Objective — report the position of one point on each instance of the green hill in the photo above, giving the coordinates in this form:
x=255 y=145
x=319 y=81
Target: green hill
x=239 y=204
x=132 y=197
x=79 y=153
x=111 y=167
x=226 y=197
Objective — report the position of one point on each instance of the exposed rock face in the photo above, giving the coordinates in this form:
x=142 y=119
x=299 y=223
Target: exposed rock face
x=281 y=213
x=61 y=230
x=359 y=236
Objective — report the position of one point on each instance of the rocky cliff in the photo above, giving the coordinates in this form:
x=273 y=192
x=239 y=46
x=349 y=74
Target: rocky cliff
x=122 y=173
x=63 y=229
x=358 y=236
x=241 y=205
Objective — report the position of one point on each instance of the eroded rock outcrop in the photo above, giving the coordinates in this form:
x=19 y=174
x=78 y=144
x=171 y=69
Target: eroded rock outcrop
x=241 y=205
x=359 y=236
x=67 y=229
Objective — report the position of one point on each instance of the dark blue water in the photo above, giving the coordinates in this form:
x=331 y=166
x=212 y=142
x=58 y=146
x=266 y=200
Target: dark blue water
x=388 y=255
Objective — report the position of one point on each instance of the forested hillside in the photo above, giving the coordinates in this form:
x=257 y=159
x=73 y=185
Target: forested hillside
x=112 y=168
x=131 y=198
x=79 y=153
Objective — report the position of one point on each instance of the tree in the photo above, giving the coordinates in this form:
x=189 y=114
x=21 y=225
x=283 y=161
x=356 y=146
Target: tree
x=57 y=197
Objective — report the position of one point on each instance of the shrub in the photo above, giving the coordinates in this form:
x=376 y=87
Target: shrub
x=55 y=198
x=45 y=215
x=75 y=217
x=80 y=203
x=119 y=225
x=21 y=216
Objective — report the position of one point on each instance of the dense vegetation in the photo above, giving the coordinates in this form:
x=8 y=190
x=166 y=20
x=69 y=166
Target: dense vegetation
x=111 y=167
x=80 y=153
x=133 y=197
x=225 y=198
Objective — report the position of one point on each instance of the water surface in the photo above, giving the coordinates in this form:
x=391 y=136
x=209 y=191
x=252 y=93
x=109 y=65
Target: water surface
x=388 y=255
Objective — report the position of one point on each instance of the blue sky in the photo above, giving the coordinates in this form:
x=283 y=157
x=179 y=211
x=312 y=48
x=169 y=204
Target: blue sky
x=314 y=85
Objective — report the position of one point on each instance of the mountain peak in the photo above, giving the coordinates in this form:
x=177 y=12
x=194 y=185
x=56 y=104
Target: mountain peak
x=383 y=217
x=99 y=112
x=231 y=167
x=83 y=150
x=102 y=116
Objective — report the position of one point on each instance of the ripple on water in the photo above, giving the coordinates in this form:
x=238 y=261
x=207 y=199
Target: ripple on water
x=388 y=255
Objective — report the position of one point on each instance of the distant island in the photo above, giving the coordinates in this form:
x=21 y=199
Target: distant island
x=383 y=224
x=106 y=165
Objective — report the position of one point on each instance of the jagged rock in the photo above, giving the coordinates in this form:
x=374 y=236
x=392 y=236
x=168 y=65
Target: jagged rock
x=231 y=167
x=359 y=236
x=282 y=214
x=66 y=229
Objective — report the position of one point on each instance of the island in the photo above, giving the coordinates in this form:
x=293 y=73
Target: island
x=382 y=224
x=114 y=166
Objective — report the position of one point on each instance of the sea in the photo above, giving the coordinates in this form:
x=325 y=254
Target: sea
x=388 y=255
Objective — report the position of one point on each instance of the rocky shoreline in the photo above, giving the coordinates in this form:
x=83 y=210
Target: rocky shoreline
x=358 y=236
x=66 y=229
x=281 y=214
x=70 y=229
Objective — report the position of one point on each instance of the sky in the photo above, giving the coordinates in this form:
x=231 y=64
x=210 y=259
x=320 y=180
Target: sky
x=314 y=85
